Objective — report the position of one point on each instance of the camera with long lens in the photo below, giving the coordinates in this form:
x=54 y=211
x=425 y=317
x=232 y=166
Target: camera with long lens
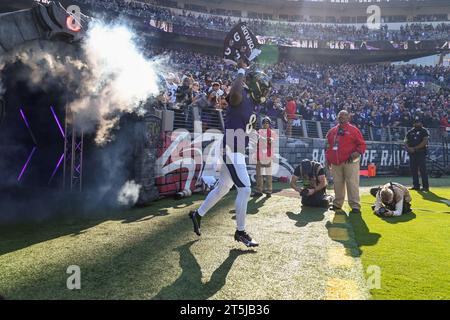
x=382 y=211
x=304 y=193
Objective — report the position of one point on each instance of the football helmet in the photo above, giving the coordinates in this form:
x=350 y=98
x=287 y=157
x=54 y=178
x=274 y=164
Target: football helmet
x=259 y=85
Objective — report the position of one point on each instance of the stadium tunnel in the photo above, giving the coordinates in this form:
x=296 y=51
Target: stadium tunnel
x=32 y=116
x=33 y=132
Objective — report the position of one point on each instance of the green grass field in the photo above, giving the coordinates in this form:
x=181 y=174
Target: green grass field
x=413 y=251
x=152 y=253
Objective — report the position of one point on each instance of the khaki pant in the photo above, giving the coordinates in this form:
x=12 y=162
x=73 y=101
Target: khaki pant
x=261 y=172
x=346 y=175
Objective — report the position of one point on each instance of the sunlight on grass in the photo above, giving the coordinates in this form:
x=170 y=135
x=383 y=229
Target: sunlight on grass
x=413 y=251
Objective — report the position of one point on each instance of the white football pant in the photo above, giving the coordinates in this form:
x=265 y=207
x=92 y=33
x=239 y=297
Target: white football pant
x=233 y=171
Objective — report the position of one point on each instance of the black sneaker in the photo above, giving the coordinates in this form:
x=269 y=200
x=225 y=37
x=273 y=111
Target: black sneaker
x=425 y=189
x=415 y=188
x=196 y=220
x=245 y=238
x=355 y=211
x=256 y=194
x=268 y=195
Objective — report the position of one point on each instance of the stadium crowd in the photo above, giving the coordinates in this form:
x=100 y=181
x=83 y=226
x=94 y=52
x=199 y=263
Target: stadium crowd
x=376 y=95
x=291 y=31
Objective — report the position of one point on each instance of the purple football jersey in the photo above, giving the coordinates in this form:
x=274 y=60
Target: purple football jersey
x=238 y=117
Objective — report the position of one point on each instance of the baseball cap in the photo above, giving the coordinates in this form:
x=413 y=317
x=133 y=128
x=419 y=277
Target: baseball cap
x=266 y=120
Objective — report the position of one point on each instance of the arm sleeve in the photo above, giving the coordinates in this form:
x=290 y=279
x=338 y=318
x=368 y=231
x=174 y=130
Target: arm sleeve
x=398 y=208
x=378 y=204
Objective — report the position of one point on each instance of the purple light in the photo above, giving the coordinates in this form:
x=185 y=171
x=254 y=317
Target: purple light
x=57 y=121
x=28 y=126
x=24 y=119
x=26 y=164
x=56 y=168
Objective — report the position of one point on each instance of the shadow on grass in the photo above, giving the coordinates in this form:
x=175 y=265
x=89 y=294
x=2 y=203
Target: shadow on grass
x=189 y=285
x=431 y=196
x=252 y=206
x=255 y=203
x=307 y=215
x=403 y=218
x=353 y=234
x=18 y=236
x=120 y=274
x=138 y=218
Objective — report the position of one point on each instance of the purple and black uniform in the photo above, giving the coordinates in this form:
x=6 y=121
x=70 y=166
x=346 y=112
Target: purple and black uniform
x=238 y=117
x=234 y=169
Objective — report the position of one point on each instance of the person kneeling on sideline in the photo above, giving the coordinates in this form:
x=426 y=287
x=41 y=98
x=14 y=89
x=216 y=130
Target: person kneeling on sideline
x=392 y=200
x=315 y=184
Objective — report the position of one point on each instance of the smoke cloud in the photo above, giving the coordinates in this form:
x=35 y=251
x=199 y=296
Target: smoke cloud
x=120 y=79
x=129 y=193
x=104 y=77
x=111 y=78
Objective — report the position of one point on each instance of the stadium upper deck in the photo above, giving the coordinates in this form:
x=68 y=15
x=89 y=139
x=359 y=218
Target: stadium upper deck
x=326 y=11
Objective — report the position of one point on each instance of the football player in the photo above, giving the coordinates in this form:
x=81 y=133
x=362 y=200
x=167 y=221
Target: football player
x=248 y=91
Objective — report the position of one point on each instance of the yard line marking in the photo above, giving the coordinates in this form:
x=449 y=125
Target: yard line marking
x=338 y=234
x=340 y=289
x=338 y=218
x=338 y=258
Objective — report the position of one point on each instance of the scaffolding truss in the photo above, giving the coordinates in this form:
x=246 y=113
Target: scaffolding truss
x=73 y=155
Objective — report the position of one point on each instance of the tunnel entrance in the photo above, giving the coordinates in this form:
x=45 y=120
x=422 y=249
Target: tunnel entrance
x=32 y=132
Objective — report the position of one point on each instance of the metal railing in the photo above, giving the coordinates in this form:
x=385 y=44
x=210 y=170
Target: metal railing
x=183 y=119
x=211 y=118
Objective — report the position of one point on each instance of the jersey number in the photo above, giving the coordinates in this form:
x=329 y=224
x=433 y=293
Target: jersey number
x=251 y=122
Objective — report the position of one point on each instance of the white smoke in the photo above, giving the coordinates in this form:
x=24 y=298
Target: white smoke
x=120 y=79
x=129 y=193
x=114 y=77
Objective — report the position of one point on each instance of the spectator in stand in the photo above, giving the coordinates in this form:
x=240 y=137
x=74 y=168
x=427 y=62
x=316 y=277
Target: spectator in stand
x=374 y=94
x=445 y=126
x=291 y=109
x=214 y=95
x=198 y=24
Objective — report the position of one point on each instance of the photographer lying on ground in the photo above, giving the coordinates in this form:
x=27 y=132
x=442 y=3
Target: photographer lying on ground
x=315 y=183
x=392 y=200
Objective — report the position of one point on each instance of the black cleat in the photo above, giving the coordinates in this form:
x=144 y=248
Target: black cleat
x=425 y=190
x=244 y=237
x=415 y=188
x=196 y=221
x=355 y=211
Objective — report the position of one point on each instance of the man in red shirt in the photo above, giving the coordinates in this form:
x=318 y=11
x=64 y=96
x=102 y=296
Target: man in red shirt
x=291 y=109
x=345 y=145
x=445 y=126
